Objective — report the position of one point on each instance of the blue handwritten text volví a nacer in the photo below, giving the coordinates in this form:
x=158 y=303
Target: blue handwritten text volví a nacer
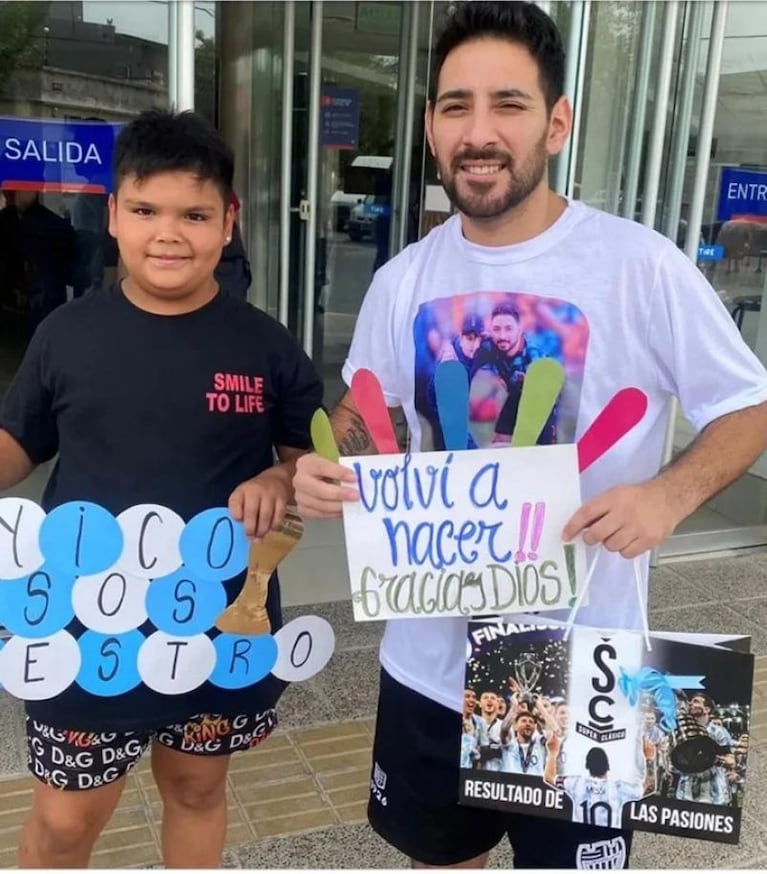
x=402 y=486
x=441 y=544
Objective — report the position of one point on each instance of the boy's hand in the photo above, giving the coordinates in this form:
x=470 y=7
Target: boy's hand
x=260 y=503
x=15 y=464
x=321 y=487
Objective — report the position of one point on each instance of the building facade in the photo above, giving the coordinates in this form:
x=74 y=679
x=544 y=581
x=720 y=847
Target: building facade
x=323 y=103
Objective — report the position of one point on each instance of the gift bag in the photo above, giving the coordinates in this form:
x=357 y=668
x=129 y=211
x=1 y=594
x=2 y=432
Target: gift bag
x=624 y=729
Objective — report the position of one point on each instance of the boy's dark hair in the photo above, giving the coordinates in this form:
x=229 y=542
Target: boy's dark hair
x=523 y=23
x=160 y=141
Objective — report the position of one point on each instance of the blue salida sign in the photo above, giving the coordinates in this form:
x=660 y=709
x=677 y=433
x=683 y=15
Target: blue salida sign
x=742 y=193
x=56 y=155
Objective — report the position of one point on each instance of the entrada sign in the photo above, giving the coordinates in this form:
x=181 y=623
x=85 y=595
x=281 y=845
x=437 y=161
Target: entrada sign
x=742 y=194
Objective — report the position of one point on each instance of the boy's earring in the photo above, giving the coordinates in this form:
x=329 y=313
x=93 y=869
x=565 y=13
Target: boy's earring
x=227 y=240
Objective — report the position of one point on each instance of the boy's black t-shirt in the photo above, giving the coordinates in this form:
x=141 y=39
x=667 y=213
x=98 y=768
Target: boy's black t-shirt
x=132 y=403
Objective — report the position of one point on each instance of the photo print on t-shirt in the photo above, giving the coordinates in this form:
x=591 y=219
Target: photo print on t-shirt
x=496 y=336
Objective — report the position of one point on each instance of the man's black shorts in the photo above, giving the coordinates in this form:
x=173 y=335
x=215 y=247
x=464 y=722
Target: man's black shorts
x=86 y=760
x=414 y=798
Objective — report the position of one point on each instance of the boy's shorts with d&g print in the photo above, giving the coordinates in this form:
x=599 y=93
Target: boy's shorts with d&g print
x=78 y=760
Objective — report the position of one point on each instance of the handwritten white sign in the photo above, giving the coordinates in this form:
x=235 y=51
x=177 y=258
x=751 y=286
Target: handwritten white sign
x=467 y=533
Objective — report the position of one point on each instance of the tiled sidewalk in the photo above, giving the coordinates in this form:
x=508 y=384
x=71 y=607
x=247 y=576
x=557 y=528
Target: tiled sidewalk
x=298 y=781
x=299 y=800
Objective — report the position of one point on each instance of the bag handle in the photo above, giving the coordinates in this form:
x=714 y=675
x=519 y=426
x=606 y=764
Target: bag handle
x=587 y=582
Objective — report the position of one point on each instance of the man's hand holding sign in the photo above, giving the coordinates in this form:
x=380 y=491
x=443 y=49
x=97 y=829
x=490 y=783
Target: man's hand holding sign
x=633 y=519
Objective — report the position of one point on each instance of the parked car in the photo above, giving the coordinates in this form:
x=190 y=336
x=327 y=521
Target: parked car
x=361 y=224
x=342 y=203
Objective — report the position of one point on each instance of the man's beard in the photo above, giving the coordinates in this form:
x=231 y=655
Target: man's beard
x=522 y=181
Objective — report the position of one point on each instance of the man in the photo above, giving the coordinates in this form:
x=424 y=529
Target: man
x=469 y=701
x=505 y=354
x=597 y=800
x=737 y=774
x=470 y=736
x=710 y=786
x=562 y=719
x=233 y=269
x=656 y=764
x=89 y=220
x=524 y=749
x=464 y=346
x=496 y=115
x=489 y=733
x=501 y=707
x=716 y=719
x=37 y=254
x=651 y=730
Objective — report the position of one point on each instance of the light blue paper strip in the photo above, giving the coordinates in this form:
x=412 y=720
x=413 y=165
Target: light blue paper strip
x=680 y=681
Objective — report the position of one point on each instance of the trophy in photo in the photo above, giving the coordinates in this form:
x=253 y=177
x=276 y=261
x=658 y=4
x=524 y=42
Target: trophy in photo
x=527 y=671
x=693 y=750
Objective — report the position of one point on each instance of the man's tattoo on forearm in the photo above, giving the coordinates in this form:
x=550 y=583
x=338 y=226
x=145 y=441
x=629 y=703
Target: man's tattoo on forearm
x=356 y=440
x=342 y=406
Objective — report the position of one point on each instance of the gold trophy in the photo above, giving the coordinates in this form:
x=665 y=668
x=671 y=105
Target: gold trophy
x=247 y=613
x=527 y=671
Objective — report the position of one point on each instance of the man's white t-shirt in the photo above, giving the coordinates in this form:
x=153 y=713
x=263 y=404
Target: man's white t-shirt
x=617 y=304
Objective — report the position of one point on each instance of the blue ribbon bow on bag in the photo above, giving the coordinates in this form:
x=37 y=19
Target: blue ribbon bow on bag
x=651 y=680
x=646 y=679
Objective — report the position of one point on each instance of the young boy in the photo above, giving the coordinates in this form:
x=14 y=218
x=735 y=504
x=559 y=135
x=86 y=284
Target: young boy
x=124 y=385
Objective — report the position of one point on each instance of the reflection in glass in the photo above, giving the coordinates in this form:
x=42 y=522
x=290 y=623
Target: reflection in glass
x=608 y=103
x=74 y=62
x=360 y=67
x=90 y=63
x=733 y=242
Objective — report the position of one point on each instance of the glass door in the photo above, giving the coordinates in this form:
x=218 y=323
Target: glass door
x=731 y=246
x=353 y=156
x=323 y=107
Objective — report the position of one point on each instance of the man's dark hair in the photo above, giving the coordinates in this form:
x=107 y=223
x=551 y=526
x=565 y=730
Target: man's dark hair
x=159 y=141
x=505 y=309
x=597 y=763
x=525 y=24
x=708 y=701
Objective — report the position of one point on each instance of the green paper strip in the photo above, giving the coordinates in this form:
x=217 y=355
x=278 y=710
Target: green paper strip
x=543 y=383
x=322 y=436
